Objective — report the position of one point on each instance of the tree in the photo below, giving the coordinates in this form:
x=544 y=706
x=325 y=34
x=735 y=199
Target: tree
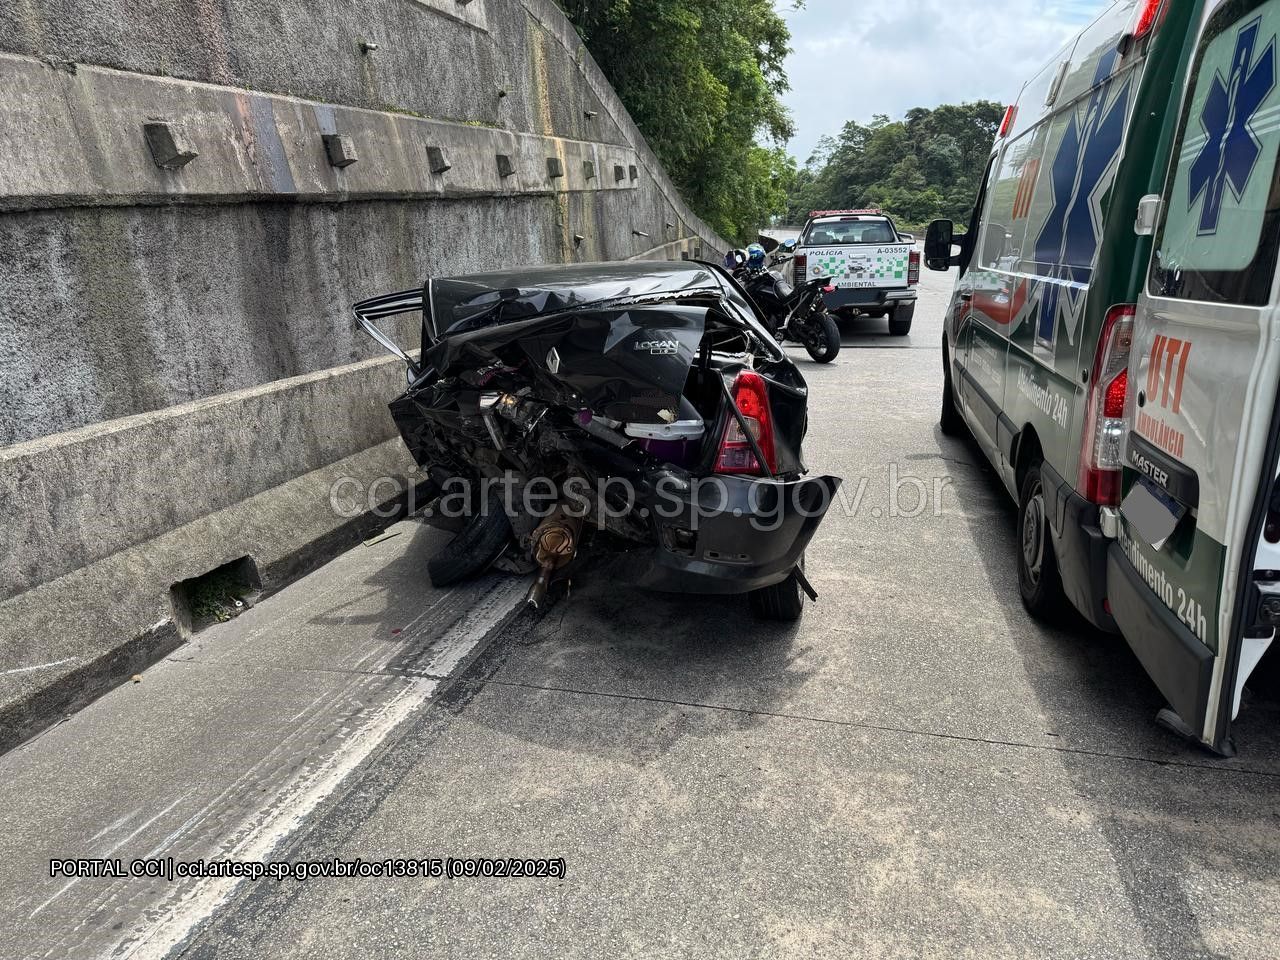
x=924 y=166
x=702 y=79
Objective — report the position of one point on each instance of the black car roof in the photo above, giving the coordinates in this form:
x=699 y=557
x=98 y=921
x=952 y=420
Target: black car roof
x=531 y=291
x=623 y=278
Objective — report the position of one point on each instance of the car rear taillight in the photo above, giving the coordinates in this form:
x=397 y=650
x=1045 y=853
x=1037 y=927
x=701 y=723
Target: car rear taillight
x=1105 y=428
x=800 y=265
x=736 y=453
x=913 y=269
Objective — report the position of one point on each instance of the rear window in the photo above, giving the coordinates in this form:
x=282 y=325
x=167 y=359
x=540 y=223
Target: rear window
x=1221 y=223
x=836 y=233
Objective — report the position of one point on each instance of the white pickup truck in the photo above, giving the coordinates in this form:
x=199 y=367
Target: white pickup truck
x=875 y=269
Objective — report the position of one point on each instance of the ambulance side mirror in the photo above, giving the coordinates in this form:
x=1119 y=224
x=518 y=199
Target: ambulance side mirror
x=938 y=243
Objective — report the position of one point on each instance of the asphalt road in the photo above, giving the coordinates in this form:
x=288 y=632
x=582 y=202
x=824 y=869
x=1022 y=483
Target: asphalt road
x=917 y=769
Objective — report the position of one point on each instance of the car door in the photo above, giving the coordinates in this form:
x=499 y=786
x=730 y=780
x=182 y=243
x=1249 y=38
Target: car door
x=980 y=346
x=1194 y=558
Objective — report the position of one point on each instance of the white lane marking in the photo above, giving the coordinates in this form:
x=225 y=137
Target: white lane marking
x=180 y=917
x=117 y=825
x=303 y=733
x=107 y=853
x=38 y=666
x=121 y=842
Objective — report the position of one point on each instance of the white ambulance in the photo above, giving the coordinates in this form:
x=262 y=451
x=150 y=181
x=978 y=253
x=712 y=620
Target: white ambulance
x=1193 y=580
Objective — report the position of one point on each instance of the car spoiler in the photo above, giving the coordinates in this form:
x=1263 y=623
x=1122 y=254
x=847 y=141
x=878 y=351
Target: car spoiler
x=390 y=305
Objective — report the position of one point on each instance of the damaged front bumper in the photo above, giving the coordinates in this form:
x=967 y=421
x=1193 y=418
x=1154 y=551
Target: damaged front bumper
x=726 y=535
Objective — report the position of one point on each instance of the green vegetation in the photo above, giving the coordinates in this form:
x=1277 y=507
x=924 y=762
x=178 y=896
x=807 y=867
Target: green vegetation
x=924 y=166
x=702 y=79
x=217 y=597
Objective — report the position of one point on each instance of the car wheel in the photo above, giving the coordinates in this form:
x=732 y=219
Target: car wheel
x=951 y=421
x=1038 y=577
x=475 y=548
x=900 y=319
x=783 y=601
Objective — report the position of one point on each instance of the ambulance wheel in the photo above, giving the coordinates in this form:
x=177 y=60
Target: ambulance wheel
x=951 y=421
x=900 y=319
x=1038 y=577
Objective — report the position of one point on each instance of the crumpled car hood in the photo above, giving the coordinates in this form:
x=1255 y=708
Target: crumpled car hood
x=626 y=363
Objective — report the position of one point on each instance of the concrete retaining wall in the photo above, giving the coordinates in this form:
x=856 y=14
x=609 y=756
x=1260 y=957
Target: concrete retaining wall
x=180 y=381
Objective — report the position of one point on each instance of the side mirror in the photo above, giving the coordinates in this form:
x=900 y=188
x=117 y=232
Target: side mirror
x=938 y=242
x=789 y=246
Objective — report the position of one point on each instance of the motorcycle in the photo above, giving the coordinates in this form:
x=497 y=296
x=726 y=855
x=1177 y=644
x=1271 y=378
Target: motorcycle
x=633 y=419
x=798 y=313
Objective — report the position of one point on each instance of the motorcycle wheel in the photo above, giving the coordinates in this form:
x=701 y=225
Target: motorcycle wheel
x=822 y=337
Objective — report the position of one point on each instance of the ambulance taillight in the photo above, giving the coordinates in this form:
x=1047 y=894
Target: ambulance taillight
x=1105 y=428
x=1007 y=123
x=1145 y=19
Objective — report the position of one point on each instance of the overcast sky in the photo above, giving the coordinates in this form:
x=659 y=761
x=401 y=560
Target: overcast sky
x=854 y=59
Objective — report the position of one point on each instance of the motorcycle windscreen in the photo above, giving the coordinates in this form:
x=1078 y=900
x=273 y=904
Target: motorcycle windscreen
x=629 y=364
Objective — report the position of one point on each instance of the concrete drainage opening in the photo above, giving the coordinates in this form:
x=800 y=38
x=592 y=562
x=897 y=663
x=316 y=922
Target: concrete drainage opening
x=217 y=596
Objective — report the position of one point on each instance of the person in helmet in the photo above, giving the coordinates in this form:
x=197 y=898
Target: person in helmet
x=755 y=257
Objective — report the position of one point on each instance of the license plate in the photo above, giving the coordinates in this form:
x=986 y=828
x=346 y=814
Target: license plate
x=1151 y=512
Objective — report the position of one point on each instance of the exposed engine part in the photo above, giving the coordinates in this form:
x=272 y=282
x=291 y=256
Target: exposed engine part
x=555 y=544
x=598 y=428
x=487 y=403
x=524 y=413
x=679 y=430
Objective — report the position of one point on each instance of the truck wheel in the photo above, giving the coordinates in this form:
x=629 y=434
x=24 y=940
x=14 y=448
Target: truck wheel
x=475 y=548
x=783 y=602
x=1038 y=577
x=900 y=319
x=951 y=422
x=823 y=342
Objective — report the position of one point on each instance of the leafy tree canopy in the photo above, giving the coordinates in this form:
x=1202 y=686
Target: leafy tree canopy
x=924 y=166
x=702 y=79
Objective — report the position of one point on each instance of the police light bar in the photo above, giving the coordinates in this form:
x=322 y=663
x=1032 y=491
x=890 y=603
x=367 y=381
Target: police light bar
x=843 y=213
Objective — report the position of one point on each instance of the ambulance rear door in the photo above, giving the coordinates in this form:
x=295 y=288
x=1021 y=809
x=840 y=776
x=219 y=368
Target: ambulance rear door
x=1188 y=573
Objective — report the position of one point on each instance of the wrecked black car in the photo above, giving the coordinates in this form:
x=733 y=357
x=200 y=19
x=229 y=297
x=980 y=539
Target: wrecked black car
x=635 y=419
